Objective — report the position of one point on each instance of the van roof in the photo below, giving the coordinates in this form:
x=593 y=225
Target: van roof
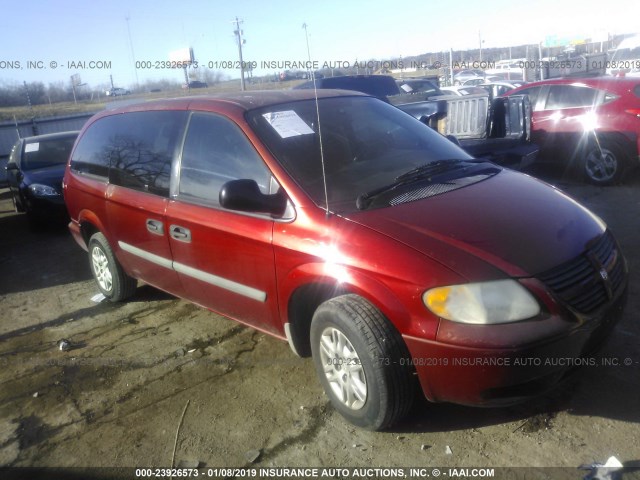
x=244 y=100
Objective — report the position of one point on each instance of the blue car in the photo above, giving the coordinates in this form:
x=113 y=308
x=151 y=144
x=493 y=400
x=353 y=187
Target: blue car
x=3 y=172
x=34 y=174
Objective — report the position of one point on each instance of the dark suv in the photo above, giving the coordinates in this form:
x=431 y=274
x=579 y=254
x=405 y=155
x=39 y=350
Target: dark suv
x=355 y=232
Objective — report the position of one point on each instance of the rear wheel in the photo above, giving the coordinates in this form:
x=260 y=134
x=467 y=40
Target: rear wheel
x=362 y=362
x=112 y=280
x=605 y=162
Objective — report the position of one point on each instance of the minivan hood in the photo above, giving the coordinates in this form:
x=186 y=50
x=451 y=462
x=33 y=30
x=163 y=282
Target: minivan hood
x=514 y=222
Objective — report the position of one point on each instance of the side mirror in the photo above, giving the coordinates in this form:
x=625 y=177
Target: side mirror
x=245 y=196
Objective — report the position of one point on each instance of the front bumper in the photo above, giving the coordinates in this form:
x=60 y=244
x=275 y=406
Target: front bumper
x=46 y=209
x=483 y=376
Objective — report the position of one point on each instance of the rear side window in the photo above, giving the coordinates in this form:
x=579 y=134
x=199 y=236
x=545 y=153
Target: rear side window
x=215 y=152
x=533 y=93
x=133 y=150
x=571 y=96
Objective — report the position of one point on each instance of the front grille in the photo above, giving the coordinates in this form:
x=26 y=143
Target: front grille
x=590 y=280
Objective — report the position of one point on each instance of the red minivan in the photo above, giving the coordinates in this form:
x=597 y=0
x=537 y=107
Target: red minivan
x=358 y=234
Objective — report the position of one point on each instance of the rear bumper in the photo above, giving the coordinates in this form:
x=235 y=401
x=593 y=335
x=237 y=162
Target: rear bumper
x=502 y=376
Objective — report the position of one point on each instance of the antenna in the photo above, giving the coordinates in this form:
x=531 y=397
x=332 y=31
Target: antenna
x=315 y=94
x=133 y=55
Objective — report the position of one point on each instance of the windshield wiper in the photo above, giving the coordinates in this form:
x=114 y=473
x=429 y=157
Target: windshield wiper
x=440 y=170
x=430 y=169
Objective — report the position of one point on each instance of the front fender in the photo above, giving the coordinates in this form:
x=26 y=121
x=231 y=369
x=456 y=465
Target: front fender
x=407 y=316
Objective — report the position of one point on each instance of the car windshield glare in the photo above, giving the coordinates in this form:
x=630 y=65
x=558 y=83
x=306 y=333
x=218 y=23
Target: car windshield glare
x=366 y=144
x=46 y=153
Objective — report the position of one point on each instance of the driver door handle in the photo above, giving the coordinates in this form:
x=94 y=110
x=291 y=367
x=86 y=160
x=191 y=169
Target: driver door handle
x=155 y=226
x=180 y=233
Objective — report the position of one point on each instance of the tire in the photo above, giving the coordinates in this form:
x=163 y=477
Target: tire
x=357 y=353
x=605 y=162
x=112 y=280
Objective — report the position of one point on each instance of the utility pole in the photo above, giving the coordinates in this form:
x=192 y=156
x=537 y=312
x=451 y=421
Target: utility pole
x=238 y=34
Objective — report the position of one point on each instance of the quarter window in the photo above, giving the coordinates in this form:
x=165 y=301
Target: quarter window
x=533 y=95
x=571 y=96
x=133 y=150
x=215 y=152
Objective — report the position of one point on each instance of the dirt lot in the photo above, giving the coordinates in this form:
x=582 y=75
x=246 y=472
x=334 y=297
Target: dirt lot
x=141 y=371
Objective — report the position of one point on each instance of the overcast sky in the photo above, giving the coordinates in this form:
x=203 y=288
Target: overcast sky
x=55 y=32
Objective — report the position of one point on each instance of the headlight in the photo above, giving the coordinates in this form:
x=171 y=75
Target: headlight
x=40 y=190
x=501 y=301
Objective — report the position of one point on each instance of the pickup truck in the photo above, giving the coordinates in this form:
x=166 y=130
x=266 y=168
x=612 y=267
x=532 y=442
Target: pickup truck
x=498 y=129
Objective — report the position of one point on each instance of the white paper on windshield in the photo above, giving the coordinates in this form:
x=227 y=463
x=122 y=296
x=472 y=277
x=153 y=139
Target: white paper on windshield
x=406 y=88
x=287 y=123
x=31 y=147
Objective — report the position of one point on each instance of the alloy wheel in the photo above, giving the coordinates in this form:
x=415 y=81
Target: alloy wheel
x=343 y=368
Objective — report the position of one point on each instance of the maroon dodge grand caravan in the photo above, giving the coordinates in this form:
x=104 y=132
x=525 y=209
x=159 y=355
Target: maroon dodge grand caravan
x=358 y=234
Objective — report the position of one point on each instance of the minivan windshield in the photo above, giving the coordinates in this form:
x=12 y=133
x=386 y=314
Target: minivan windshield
x=370 y=148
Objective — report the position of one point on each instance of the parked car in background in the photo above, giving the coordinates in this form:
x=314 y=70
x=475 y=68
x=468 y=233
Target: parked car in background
x=509 y=70
x=295 y=75
x=117 y=92
x=244 y=204
x=418 y=85
x=625 y=60
x=498 y=88
x=196 y=84
x=472 y=81
x=461 y=91
x=381 y=86
x=463 y=75
x=591 y=124
x=34 y=173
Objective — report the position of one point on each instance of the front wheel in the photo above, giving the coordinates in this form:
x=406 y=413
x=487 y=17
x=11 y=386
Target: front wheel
x=357 y=353
x=605 y=162
x=112 y=280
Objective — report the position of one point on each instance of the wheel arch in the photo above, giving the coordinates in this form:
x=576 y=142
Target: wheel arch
x=307 y=295
x=89 y=224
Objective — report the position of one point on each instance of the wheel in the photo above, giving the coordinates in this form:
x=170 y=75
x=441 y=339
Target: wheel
x=357 y=353
x=605 y=162
x=112 y=280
